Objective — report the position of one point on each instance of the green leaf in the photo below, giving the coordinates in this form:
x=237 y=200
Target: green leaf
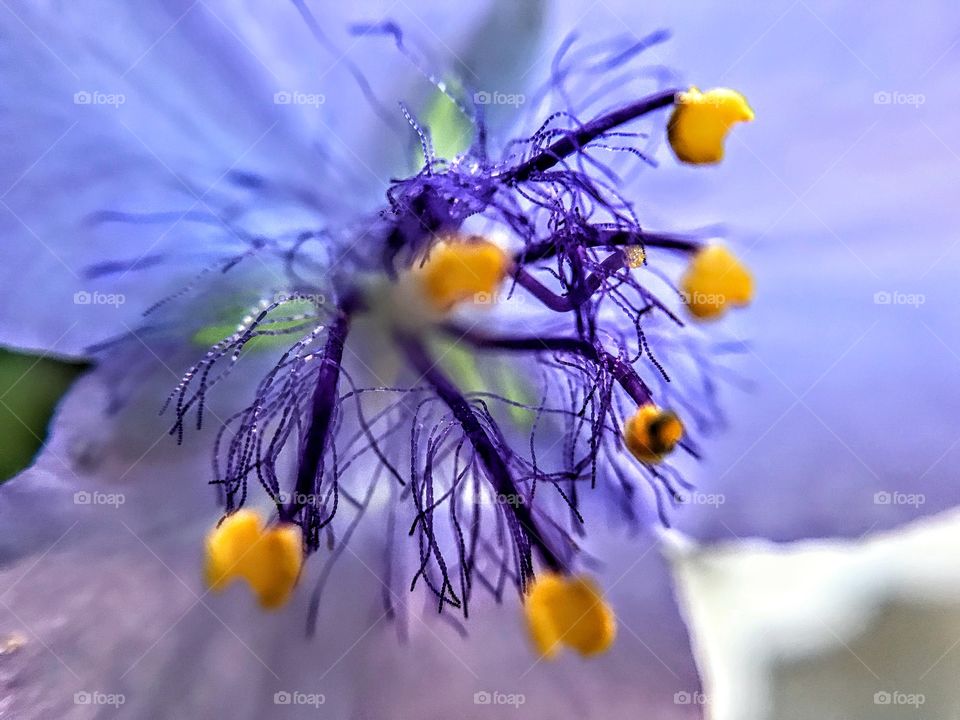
x=497 y=377
x=30 y=388
x=496 y=57
x=512 y=389
x=450 y=130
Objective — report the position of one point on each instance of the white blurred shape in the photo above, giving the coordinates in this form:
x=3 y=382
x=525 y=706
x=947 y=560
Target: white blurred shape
x=855 y=630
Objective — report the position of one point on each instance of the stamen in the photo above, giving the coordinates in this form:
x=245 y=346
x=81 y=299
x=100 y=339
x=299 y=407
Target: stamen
x=269 y=559
x=652 y=433
x=573 y=142
x=635 y=256
x=571 y=611
x=565 y=303
x=607 y=238
x=460 y=270
x=701 y=121
x=526 y=530
x=575 y=235
x=621 y=371
x=714 y=279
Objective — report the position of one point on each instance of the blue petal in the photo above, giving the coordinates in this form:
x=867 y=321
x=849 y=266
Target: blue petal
x=840 y=197
x=100 y=558
x=151 y=142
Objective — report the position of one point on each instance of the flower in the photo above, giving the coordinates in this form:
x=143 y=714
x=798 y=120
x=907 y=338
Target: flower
x=568 y=292
x=299 y=413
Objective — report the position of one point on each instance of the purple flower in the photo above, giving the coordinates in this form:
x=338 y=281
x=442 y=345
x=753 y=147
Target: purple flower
x=453 y=378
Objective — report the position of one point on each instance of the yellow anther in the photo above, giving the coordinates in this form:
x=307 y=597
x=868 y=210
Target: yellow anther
x=652 y=433
x=269 y=559
x=701 y=121
x=635 y=256
x=571 y=611
x=715 y=279
x=462 y=269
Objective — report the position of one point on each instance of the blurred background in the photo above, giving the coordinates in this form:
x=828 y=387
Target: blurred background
x=30 y=387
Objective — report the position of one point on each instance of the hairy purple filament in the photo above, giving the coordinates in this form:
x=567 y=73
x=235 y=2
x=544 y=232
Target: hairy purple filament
x=611 y=238
x=573 y=142
x=322 y=407
x=566 y=303
x=621 y=371
x=525 y=528
x=526 y=196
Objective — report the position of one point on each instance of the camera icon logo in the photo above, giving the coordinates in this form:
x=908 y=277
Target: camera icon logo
x=283 y=97
x=883 y=97
x=282 y=697
x=882 y=698
x=82 y=98
x=482 y=97
x=482 y=698
x=82 y=698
